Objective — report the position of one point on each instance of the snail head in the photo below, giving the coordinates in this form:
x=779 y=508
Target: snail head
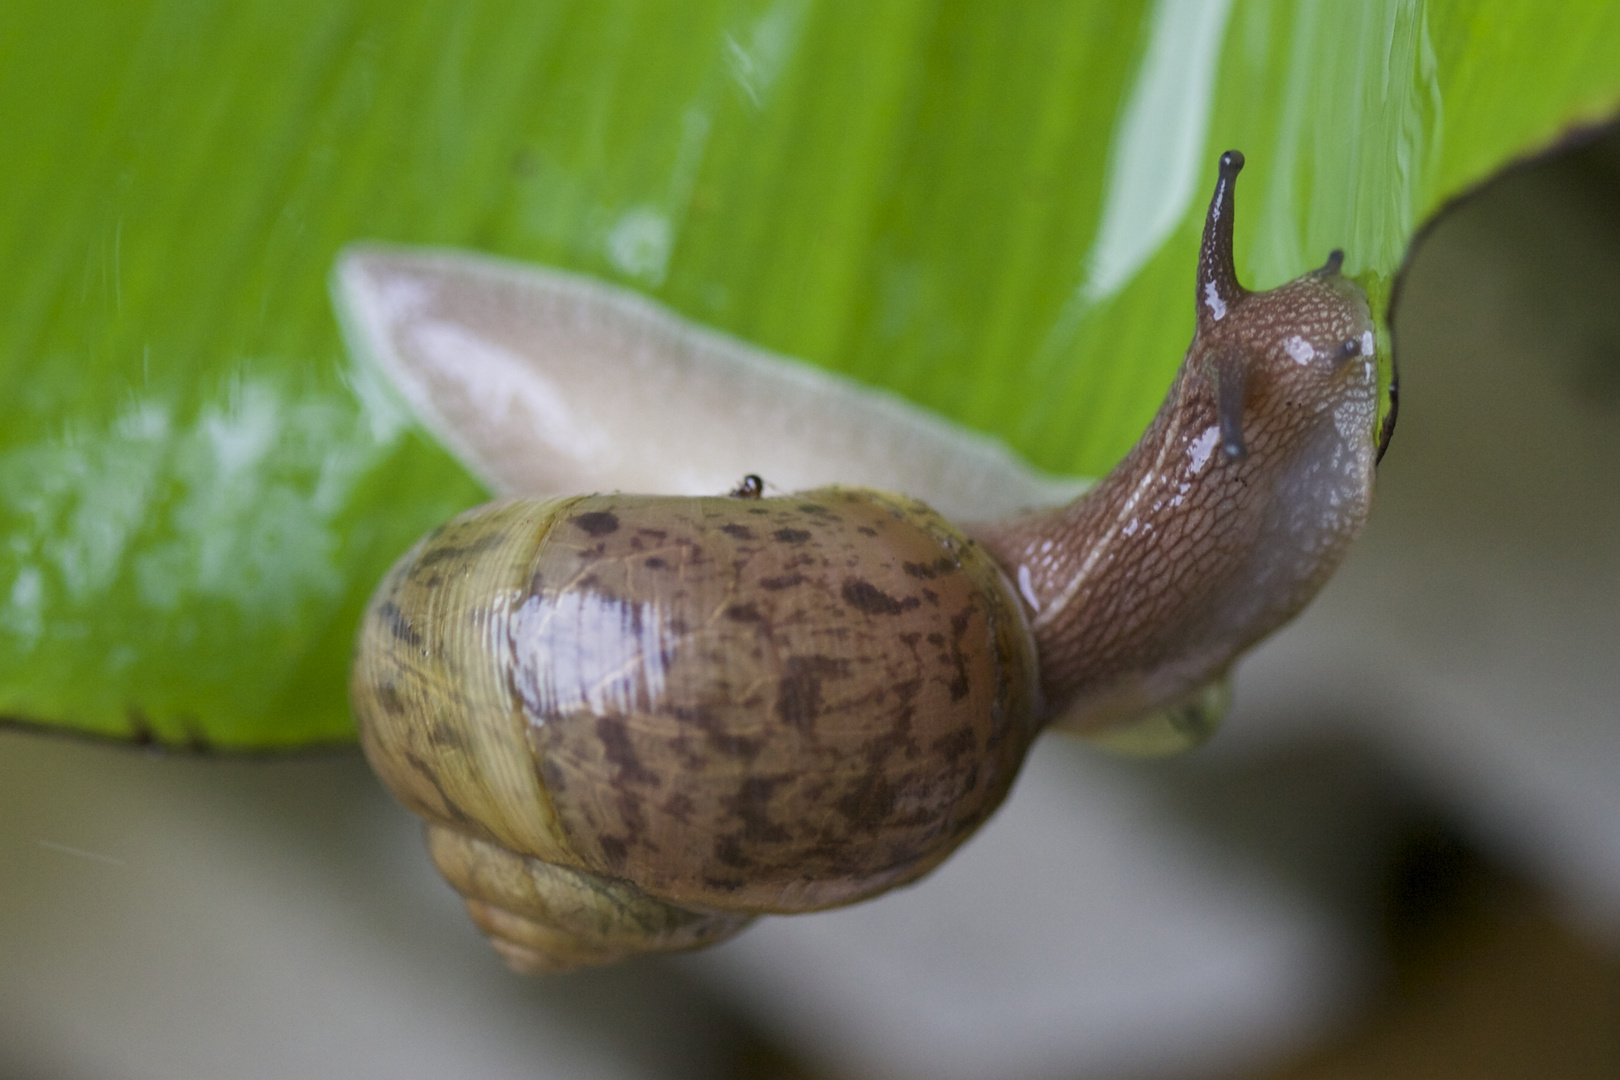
x=1279 y=357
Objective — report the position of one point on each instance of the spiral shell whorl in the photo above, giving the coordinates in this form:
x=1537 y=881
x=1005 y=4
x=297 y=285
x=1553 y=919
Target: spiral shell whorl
x=546 y=918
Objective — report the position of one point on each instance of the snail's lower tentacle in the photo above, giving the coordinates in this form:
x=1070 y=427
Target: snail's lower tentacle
x=543 y=918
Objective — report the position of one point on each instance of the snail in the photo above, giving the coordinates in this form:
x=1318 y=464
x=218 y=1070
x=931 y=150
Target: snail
x=633 y=723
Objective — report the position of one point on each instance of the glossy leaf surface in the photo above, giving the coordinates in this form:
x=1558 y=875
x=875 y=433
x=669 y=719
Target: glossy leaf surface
x=991 y=209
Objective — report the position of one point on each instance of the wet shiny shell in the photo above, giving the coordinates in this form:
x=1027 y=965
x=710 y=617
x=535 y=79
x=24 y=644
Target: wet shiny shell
x=738 y=704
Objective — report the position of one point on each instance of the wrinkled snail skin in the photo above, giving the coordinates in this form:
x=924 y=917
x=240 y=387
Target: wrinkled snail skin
x=1229 y=514
x=634 y=722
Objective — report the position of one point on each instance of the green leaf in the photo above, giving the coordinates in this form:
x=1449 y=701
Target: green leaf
x=990 y=208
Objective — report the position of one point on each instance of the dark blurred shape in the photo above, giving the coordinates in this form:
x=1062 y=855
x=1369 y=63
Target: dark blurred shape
x=1569 y=203
x=1433 y=878
x=1491 y=984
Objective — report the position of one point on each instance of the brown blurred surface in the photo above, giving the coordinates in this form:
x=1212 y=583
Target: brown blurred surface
x=1490 y=985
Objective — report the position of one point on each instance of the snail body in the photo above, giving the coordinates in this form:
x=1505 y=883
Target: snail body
x=634 y=722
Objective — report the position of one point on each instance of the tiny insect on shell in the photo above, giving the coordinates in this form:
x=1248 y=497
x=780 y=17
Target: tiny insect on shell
x=679 y=712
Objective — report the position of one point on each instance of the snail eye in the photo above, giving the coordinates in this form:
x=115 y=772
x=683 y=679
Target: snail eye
x=1348 y=349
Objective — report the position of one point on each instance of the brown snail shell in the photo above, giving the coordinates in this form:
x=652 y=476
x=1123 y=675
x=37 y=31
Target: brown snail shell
x=737 y=704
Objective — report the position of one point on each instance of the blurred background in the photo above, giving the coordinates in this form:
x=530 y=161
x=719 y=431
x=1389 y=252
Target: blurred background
x=1399 y=858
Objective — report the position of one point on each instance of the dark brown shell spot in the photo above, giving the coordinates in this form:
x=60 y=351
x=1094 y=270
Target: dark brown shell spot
x=389 y=699
x=941 y=565
x=866 y=597
x=425 y=771
x=869 y=804
x=679 y=806
x=739 y=532
x=436 y=555
x=951 y=747
x=744 y=613
x=798 y=694
x=959 y=625
x=729 y=850
x=445 y=735
x=720 y=885
x=785 y=581
x=716 y=734
x=791 y=536
x=614 y=850
x=398 y=624
x=618 y=751
x=655 y=563
x=749 y=806
x=596 y=522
